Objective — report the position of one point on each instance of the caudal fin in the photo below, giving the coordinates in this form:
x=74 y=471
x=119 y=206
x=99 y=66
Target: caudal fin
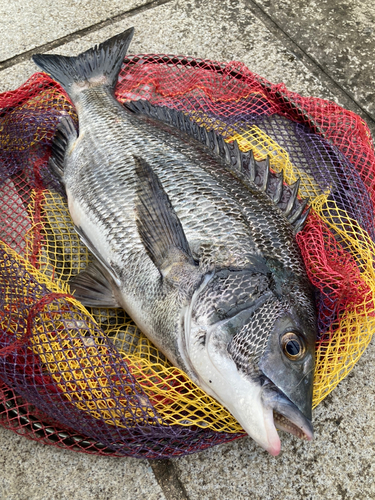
x=99 y=65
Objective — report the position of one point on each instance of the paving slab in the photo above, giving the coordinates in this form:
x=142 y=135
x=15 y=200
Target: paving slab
x=221 y=30
x=340 y=37
x=33 y=471
x=344 y=424
x=25 y=25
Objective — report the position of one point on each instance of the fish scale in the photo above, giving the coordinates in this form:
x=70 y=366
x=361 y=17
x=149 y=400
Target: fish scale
x=191 y=243
x=189 y=185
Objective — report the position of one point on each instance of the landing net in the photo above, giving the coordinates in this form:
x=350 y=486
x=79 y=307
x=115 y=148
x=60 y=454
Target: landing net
x=88 y=379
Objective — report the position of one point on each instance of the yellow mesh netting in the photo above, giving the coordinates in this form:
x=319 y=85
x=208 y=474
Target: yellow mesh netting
x=74 y=363
x=348 y=338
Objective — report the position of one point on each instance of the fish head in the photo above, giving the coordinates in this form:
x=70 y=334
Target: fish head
x=253 y=349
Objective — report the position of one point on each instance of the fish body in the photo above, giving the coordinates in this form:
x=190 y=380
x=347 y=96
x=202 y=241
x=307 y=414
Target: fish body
x=196 y=250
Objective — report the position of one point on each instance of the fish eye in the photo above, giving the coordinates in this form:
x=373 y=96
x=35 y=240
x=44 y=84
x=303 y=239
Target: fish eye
x=293 y=346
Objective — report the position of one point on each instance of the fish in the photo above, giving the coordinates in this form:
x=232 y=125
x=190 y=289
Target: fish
x=194 y=239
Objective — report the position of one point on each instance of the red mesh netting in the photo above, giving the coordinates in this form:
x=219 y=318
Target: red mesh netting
x=72 y=378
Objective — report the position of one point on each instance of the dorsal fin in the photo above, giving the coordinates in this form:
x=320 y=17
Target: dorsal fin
x=257 y=172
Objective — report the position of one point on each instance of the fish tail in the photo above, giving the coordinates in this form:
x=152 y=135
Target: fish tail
x=98 y=66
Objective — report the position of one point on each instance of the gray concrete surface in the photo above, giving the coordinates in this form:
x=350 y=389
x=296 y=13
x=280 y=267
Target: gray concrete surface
x=338 y=35
x=339 y=464
x=32 y=471
x=29 y=24
x=221 y=30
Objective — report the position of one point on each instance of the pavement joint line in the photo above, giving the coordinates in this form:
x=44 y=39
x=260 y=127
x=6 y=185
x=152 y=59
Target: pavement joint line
x=310 y=62
x=46 y=47
x=166 y=475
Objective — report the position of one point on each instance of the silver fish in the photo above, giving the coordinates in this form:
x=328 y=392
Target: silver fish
x=195 y=240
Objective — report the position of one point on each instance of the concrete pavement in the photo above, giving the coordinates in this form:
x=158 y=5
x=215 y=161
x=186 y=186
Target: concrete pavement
x=310 y=50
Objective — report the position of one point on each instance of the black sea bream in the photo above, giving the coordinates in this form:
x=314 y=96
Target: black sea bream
x=195 y=240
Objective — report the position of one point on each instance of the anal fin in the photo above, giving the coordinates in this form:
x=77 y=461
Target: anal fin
x=92 y=288
x=65 y=135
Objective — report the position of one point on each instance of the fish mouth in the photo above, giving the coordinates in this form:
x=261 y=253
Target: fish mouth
x=284 y=424
x=283 y=415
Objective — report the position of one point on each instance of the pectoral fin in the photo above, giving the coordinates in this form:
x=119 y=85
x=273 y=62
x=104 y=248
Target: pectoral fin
x=159 y=227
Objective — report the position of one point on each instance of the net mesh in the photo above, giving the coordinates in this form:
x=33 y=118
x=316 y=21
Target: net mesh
x=88 y=379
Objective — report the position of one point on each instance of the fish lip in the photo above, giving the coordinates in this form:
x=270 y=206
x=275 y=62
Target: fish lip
x=286 y=415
